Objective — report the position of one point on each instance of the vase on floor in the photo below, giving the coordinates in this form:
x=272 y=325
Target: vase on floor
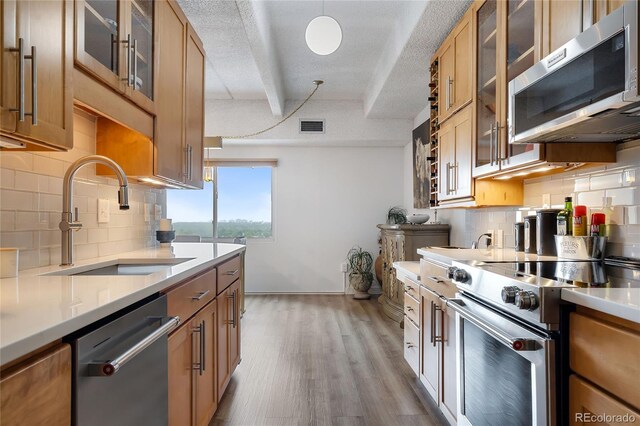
x=361 y=283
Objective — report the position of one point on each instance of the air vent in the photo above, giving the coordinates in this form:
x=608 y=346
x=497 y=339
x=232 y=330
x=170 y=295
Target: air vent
x=311 y=126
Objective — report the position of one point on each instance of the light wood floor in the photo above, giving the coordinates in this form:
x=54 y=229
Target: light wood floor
x=322 y=360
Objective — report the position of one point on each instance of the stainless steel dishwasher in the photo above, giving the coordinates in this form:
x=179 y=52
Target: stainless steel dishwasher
x=120 y=368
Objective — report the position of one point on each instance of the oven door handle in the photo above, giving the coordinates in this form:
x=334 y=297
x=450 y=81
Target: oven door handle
x=515 y=343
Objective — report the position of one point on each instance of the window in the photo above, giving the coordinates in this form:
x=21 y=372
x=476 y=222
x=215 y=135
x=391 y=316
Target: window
x=244 y=202
x=243 y=207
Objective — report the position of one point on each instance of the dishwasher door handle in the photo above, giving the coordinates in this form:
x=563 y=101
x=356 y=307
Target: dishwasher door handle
x=109 y=368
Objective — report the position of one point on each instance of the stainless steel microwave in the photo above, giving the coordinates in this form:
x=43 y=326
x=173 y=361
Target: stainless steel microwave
x=585 y=91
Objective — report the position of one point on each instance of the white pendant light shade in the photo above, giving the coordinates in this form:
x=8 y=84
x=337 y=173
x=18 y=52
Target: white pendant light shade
x=323 y=35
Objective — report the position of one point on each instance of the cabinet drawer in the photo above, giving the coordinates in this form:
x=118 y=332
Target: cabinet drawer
x=411 y=348
x=587 y=400
x=412 y=288
x=187 y=299
x=412 y=309
x=228 y=272
x=607 y=355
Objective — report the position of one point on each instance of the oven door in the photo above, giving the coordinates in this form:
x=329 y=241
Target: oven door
x=505 y=371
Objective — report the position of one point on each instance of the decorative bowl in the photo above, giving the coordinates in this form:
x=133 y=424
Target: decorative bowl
x=418 y=219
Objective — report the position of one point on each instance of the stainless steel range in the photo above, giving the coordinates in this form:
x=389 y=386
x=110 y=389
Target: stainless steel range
x=509 y=331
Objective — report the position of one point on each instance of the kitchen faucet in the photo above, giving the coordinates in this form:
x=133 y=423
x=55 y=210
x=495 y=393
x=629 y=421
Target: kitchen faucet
x=68 y=224
x=474 y=245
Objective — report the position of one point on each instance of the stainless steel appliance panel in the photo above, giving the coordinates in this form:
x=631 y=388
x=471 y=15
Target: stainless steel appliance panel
x=585 y=91
x=120 y=370
x=506 y=372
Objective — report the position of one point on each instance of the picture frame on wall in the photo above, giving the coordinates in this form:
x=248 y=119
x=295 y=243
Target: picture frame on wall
x=421 y=152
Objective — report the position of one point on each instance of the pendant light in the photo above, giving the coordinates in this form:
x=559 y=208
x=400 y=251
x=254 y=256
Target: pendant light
x=323 y=35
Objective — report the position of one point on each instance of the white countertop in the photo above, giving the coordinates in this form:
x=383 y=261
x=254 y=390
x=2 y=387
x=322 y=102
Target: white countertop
x=407 y=269
x=620 y=302
x=36 y=310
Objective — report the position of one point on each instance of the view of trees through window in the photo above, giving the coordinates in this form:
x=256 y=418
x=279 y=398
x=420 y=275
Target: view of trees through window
x=243 y=207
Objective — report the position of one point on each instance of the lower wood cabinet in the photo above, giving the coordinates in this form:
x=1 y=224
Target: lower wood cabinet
x=590 y=405
x=603 y=354
x=192 y=370
x=38 y=391
x=228 y=329
x=438 y=360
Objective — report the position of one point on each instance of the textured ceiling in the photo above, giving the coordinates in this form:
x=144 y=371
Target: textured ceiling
x=256 y=50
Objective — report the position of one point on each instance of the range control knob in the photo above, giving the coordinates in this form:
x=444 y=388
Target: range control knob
x=526 y=300
x=451 y=270
x=461 y=276
x=509 y=294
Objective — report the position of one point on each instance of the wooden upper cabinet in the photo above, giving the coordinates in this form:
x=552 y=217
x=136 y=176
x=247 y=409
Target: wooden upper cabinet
x=38 y=391
x=179 y=135
x=455 y=69
x=115 y=43
x=194 y=109
x=456 y=150
x=45 y=30
x=170 y=115
x=562 y=20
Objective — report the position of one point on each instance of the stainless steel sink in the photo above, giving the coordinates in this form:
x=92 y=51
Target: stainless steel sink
x=122 y=267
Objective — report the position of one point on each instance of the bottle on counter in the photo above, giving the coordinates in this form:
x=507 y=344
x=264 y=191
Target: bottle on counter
x=580 y=221
x=565 y=218
x=607 y=209
x=597 y=224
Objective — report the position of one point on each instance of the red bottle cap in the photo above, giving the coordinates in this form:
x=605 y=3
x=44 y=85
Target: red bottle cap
x=579 y=211
x=597 y=219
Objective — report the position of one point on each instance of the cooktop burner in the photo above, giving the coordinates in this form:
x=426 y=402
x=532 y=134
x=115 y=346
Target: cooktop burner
x=614 y=272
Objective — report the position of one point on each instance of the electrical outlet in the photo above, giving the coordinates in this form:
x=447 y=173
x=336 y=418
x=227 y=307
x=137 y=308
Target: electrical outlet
x=493 y=240
x=103 y=210
x=499 y=242
x=158 y=212
x=343 y=267
x=546 y=201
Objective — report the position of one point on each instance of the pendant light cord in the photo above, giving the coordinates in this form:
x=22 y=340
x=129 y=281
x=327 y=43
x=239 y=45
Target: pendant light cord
x=316 y=82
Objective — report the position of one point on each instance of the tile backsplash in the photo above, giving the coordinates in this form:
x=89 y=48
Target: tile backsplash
x=31 y=204
x=587 y=186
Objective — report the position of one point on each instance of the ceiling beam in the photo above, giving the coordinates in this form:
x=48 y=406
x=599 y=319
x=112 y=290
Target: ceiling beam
x=255 y=20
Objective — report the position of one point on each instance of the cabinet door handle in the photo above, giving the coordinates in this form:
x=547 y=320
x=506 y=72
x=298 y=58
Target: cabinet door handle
x=198 y=365
x=410 y=309
x=135 y=63
x=128 y=58
x=410 y=345
x=203 y=352
x=34 y=86
x=450 y=92
x=34 y=83
x=491 y=145
x=437 y=338
x=185 y=173
x=235 y=271
x=434 y=337
x=499 y=157
x=200 y=295
x=233 y=317
x=455 y=177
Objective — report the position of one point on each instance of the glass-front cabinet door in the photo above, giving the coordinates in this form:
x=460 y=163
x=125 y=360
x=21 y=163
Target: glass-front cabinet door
x=486 y=89
x=521 y=54
x=114 y=43
x=506 y=46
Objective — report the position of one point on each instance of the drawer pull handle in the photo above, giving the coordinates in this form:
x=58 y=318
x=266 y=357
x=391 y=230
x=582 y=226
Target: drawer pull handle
x=235 y=271
x=200 y=295
x=410 y=345
x=410 y=309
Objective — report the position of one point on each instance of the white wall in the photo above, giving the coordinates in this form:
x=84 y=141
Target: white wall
x=326 y=199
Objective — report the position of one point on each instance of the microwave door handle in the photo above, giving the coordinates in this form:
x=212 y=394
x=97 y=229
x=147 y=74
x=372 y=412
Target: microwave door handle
x=515 y=343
